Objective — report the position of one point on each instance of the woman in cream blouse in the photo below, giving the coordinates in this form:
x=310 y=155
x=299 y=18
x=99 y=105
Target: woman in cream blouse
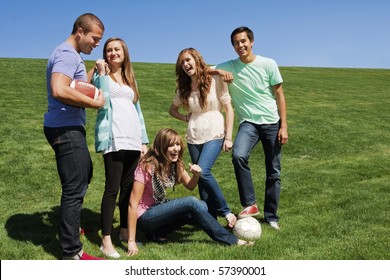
x=204 y=96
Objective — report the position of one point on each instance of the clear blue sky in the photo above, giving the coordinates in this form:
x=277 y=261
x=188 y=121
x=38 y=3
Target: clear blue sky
x=323 y=33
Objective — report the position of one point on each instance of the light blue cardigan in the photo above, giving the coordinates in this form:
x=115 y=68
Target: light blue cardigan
x=103 y=126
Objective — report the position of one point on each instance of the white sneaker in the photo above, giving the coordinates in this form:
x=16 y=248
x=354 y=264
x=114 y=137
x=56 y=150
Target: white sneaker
x=274 y=225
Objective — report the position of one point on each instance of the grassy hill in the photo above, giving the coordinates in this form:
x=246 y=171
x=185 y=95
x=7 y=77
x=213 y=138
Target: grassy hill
x=335 y=201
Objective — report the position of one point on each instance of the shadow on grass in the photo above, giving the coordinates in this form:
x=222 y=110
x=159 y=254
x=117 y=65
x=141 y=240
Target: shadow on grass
x=184 y=234
x=42 y=229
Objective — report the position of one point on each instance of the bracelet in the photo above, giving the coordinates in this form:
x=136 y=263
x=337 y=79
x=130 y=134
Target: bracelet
x=226 y=139
x=186 y=118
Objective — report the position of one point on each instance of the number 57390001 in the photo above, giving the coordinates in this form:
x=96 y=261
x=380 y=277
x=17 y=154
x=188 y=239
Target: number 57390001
x=241 y=270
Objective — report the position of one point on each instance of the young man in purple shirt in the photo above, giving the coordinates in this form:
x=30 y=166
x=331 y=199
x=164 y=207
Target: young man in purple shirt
x=64 y=127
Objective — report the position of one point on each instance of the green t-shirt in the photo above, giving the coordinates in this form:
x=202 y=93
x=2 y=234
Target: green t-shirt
x=251 y=89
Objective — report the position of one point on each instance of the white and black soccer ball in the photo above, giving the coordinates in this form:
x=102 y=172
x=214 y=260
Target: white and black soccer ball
x=247 y=228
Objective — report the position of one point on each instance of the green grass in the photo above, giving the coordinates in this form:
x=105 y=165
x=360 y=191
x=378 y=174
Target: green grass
x=336 y=169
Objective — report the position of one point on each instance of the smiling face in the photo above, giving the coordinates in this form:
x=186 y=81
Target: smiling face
x=114 y=53
x=188 y=64
x=89 y=40
x=243 y=46
x=173 y=152
x=168 y=146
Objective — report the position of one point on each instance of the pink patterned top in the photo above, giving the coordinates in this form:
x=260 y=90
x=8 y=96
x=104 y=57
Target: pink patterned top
x=147 y=199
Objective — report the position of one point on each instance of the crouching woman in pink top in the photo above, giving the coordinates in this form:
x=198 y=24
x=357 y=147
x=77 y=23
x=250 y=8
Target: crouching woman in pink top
x=149 y=209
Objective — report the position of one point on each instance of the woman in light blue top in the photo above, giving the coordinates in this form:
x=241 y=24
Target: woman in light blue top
x=120 y=135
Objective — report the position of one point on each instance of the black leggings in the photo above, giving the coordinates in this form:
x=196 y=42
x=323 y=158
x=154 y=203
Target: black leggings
x=119 y=168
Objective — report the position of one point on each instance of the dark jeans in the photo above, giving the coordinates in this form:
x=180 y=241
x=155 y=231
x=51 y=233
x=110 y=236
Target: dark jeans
x=119 y=168
x=74 y=167
x=247 y=137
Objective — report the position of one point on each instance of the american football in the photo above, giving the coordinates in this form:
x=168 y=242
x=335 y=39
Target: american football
x=85 y=88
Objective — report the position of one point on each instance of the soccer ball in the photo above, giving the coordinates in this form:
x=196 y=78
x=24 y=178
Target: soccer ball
x=247 y=228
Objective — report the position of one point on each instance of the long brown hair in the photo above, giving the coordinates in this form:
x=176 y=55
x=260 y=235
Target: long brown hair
x=128 y=75
x=183 y=81
x=156 y=155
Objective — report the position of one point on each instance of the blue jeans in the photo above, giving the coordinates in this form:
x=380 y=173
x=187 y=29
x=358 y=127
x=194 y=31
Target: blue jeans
x=74 y=167
x=247 y=137
x=205 y=156
x=164 y=218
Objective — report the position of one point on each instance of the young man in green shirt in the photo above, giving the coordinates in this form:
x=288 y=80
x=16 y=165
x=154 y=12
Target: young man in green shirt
x=255 y=85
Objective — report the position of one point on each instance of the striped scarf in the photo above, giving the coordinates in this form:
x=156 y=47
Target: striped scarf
x=159 y=186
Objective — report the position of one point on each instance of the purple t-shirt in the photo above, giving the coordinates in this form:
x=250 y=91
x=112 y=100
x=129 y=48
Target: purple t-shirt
x=66 y=60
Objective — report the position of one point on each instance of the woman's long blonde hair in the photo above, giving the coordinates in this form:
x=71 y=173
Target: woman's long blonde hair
x=156 y=156
x=183 y=81
x=128 y=75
